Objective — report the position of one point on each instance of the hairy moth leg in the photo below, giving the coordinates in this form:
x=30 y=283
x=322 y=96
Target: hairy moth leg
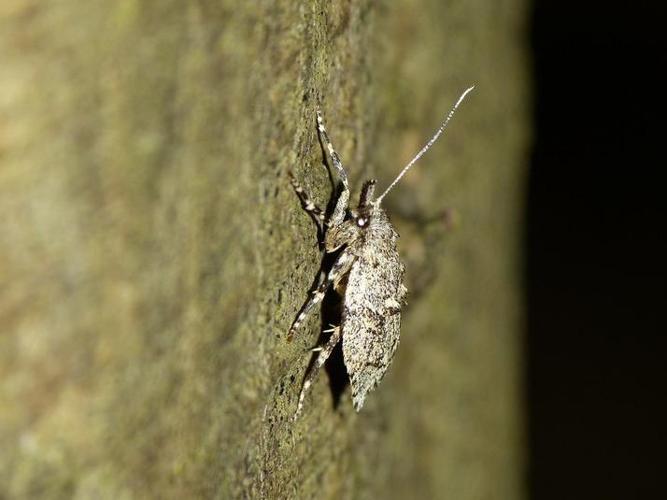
x=338 y=214
x=338 y=270
x=313 y=210
x=332 y=152
x=324 y=354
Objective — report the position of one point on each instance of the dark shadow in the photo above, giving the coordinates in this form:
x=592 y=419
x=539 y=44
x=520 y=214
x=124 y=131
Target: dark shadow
x=335 y=365
x=596 y=338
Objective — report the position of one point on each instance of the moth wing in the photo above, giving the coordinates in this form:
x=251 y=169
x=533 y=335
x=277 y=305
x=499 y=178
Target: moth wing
x=371 y=318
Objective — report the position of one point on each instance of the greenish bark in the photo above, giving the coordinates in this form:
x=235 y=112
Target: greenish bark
x=153 y=255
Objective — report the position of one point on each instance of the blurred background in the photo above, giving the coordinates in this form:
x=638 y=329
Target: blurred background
x=596 y=251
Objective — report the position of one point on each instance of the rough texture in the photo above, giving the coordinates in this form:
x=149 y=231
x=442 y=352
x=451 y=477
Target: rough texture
x=371 y=317
x=152 y=254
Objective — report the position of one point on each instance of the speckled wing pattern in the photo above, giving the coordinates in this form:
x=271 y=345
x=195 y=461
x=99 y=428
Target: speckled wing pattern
x=371 y=319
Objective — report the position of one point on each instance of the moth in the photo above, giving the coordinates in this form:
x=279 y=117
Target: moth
x=367 y=273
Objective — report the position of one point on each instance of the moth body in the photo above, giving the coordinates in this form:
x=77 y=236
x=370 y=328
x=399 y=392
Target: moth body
x=367 y=273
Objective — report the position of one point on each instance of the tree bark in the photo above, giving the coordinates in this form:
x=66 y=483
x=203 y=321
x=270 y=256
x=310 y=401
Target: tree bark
x=153 y=254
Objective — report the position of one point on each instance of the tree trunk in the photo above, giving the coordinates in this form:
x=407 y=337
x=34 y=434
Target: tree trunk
x=153 y=254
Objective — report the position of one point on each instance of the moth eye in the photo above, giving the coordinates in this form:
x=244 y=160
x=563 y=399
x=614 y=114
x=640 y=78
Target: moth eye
x=361 y=222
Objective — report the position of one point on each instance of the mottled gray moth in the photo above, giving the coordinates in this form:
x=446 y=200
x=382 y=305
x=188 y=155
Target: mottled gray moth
x=367 y=273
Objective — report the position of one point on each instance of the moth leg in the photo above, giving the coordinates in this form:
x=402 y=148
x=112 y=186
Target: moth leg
x=342 y=203
x=324 y=353
x=332 y=152
x=338 y=270
x=313 y=210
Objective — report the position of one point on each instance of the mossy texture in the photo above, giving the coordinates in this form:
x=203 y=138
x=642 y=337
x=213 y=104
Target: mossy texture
x=153 y=255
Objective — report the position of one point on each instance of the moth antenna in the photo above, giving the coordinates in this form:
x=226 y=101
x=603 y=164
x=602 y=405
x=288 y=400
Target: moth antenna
x=425 y=148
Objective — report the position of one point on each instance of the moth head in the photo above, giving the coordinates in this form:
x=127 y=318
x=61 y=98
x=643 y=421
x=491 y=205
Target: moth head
x=377 y=202
x=363 y=220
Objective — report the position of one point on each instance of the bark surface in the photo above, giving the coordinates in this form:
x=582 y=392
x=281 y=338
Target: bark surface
x=153 y=254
